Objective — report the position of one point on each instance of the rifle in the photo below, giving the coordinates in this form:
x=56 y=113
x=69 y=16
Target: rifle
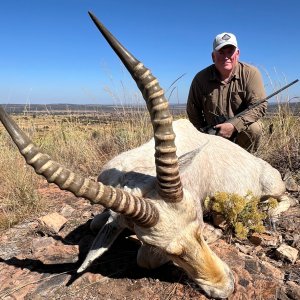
x=210 y=129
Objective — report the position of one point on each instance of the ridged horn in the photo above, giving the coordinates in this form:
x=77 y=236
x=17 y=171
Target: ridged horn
x=140 y=210
x=167 y=168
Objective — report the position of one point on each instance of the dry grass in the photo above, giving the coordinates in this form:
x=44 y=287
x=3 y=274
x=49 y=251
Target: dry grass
x=18 y=195
x=85 y=143
x=81 y=146
x=281 y=141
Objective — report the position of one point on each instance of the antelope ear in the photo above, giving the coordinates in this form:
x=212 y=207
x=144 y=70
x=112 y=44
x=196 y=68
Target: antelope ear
x=187 y=159
x=104 y=239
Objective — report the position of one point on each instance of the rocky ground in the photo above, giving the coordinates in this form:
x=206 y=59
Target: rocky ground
x=39 y=258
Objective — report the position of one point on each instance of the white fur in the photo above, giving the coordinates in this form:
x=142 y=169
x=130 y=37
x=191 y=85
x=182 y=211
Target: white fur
x=208 y=164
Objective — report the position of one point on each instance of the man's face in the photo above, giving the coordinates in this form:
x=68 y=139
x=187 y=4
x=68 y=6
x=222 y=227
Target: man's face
x=226 y=58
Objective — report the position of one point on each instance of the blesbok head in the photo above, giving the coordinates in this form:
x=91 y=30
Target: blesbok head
x=167 y=221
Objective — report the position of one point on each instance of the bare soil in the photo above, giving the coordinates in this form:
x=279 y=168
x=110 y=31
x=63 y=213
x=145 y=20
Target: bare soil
x=36 y=263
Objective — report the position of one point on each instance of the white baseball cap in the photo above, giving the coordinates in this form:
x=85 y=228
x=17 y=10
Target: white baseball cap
x=224 y=39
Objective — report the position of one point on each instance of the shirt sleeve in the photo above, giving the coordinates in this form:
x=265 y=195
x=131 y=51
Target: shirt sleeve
x=194 y=106
x=254 y=92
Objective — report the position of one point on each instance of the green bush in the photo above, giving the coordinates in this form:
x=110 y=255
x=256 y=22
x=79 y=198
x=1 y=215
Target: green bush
x=242 y=214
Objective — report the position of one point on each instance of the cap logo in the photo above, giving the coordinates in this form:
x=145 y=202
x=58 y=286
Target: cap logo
x=226 y=37
x=223 y=39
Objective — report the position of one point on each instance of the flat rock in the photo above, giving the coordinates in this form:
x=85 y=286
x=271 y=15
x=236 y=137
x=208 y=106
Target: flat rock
x=293 y=290
x=264 y=239
x=53 y=221
x=287 y=252
x=49 y=251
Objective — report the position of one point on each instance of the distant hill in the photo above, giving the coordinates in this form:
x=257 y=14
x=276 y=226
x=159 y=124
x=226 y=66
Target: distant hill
x=55 y=108
x=64 y=108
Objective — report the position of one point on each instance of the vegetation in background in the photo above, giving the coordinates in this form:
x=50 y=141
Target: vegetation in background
x=19 y=197
x=84 y=142
x=281 y=140
x=81 y=144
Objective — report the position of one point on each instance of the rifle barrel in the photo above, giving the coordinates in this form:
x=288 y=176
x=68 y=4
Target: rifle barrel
x=264 y=100
x=283 y=88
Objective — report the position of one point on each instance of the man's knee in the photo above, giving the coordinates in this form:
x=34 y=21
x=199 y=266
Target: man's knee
x=254 y=130
x=249 y=139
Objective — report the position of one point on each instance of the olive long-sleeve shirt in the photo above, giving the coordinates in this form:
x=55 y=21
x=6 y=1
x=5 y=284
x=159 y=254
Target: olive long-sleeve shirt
x=210 y=97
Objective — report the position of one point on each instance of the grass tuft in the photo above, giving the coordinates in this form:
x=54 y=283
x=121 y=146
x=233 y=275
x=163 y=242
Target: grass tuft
x=18 y=195
x=281 y=140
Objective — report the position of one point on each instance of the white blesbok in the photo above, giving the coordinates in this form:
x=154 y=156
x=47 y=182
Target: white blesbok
x=157 y=195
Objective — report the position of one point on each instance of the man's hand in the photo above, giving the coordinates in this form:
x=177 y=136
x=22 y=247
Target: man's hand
x=225 y=130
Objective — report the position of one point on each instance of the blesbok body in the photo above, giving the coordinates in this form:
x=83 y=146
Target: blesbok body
x=154 y=193
x=207 y=163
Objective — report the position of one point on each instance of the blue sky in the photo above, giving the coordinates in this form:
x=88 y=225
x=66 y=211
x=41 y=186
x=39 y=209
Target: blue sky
x=51 y=52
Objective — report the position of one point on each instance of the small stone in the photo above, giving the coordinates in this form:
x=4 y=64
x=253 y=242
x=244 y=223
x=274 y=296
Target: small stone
x=291 y=184
x=89 y=278
x=86 y=214
x=293 y=290
x=281 y=207
x=267 y=269
x=264 y=239
x=54 y=221
x=243 y=282
x=287 y=252
x=296 y=241
x=67 y=211
x=244 y=248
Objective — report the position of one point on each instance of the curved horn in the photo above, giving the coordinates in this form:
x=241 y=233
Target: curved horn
x=167 y=168
x=140 y=210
